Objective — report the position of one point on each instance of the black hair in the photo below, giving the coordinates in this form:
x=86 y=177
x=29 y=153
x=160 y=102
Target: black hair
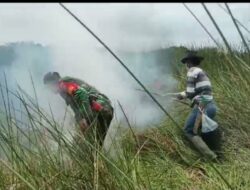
x=51 y=77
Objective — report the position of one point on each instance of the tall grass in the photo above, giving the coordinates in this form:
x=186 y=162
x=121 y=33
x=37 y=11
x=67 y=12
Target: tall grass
x=36 y=153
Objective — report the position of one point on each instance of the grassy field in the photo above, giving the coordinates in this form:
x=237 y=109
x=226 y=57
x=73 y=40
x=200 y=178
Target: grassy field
x=40 y=156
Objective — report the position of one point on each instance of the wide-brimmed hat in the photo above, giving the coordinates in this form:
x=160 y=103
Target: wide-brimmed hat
x=192 y=55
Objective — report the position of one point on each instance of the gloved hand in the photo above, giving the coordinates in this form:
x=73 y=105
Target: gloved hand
x=179 y=97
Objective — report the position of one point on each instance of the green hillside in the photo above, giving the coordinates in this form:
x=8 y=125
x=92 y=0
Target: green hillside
x=160 y=158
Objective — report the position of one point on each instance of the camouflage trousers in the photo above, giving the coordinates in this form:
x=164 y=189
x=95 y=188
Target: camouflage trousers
x=98 y=122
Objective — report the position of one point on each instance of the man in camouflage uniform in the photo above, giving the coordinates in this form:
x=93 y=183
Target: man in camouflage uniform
x=89 y=105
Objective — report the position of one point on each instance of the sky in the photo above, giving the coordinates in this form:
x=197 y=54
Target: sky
x=125 y=26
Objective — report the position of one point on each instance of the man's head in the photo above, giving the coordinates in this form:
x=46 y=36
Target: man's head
x=192 y=59
x=51 y=79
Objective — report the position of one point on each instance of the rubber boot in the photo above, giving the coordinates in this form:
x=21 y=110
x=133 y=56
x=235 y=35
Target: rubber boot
x=202 y=147
x=213 y=140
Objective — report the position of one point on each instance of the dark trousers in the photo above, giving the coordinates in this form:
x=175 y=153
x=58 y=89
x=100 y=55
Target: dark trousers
x=98 y=125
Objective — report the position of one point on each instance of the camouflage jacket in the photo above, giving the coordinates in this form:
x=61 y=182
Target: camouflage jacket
x=82 y=98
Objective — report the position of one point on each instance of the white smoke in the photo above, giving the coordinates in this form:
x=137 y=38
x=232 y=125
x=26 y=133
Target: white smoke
x=101 y=70
x=74 y=52
x=97 y=68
